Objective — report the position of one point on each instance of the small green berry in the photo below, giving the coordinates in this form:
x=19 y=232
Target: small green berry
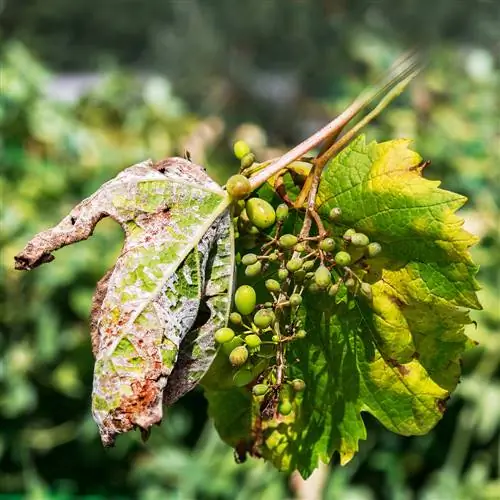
x=263 y=318
x=327 y=245
x=373 y=249
x=252 y=230
x=282 y=212
x=335 y=213
x=248 y=160
x=223 y=335
x=366 y=289
x=253 y=340
x=334 y=289
x=254 y=269
x=298 y=385
x=308 y=265
x=273 y=285
x=300 y=334
x=342 y=258
x=260 y=389
x=235 y=318
x=275 y=338
x=285 y=408
x=238 y=356
x=238 y=187
x=245 y=299
x=273 y=257
x=300 y=247
x=242 y=377
x=295 y=300
x=314 y=288
x=261 y=213
x=249 y=259
x=282 y=274
x=322 y=277
x=294 y=264
x=241 y=148
x=350 y=283
x=349 y=233
x=288 y=241
x=359 y=240
x=299 y=276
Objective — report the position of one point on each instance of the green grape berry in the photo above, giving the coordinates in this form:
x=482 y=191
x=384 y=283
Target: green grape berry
x=288 y=241
x=298 y=385
x=254 y=269
x=238 y=187
x=261 y=213
x=342 y=258
x=253 y=340
x=335 y=213
x=260 y=389
x=282 y=212
x=327 y=245
x=294 y=264
x=273 y=257
x=238 y=356
x=373 y=249
x=300 y=334
x=359 y=240
x=249 y=259
x=295 y=300
x=322 y=277
x=248 y=160
x=308 y=265
x=242 y=377
x=223 y=335
x=285 y=408
x=299 y=276
x=314 y=288
x=245 y=299
x=350 y=283
x=275 y=338
x=349 y=233
x=334 y=289
x=300 y=247
x=273 y=285
x=282 y=274
x=241 y=148
x=252 y=230
x=366 y=289
x=263 y=318
x=235 y=318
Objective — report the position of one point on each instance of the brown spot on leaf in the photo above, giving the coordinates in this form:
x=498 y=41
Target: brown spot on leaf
x=402 y=369
x=441 y=404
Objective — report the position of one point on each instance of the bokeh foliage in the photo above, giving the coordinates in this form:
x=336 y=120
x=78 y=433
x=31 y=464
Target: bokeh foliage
x=53 y=154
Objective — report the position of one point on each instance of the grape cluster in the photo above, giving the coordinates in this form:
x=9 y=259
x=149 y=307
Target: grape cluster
x=288 y=265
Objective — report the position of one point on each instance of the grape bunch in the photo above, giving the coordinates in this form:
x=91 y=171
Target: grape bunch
x=280 y=267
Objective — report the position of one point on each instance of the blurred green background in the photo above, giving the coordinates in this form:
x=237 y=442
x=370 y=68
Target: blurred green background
x=90 y=87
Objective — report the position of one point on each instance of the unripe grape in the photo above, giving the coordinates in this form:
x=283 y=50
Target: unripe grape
x=275 y=338
x=245 y=299
x=308 y=265
x=350 y=283
x=366 y=289
x=223 y=335
x=313 y=288
x=260 y=213
x=273 y=257
x=349 y=233
x=294 y=265
x=253 y=340
x=335 y=213
x=268 y=304
x=254 y=269
x=235 y=318
x=282 y=274
x=249 y=259
x=373 y=249
x=300 y=334
x=252 y=230
x=327 y=245
x=229 y=346
x=300 y=247
x=238 y=356
x=322 y=277
x=309 y=275
x=285 y=408
x=342 y=258
x=288 y=241
x=273 y=285
x=238 y=187
x=299 y=276
x=242 y=377
x=334 y=289
x=298 y=385
x=248 y=160
x=359 y=240
x=282 y=212
x=263 y=318
x=241 y=148
x=260 y=389
x=295 y=300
